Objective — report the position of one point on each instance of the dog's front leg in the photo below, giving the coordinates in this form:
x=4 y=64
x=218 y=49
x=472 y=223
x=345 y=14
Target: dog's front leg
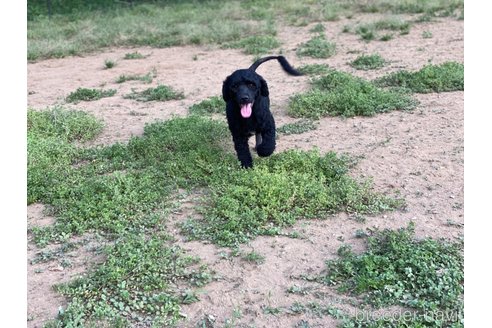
x=242 y=149
x=267 y=142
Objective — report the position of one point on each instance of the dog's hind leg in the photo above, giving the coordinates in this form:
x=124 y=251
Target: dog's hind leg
x=258 y=140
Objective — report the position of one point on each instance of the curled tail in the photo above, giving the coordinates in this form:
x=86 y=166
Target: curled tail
x=283 y=62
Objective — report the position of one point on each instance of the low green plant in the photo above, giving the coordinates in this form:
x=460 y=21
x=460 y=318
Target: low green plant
x=147 y=78
x=255 y=45
x=108 y=63
x=134 y=55
x=301 y=185
x=85 y=94
x=448 y=76
x=314 y=69
x=136 y=283
x=366 y=33
x=159 y=93
x=254 y=257
x=386 y=37
x=317 y=47
x=50 y=149
x=298 y=127
x=424 y=275
x=67 y=125
x=212 y=105
x=113 y=189
x=392 y=24
x=318 y=28
x=427 y=34
x=339 y=93
x=368 y=62
x=370 y=31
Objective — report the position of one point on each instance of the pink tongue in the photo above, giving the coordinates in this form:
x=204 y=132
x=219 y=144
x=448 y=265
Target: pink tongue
x=246 y=110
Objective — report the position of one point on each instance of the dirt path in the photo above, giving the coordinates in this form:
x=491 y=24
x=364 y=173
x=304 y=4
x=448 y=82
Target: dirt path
x=419 y=154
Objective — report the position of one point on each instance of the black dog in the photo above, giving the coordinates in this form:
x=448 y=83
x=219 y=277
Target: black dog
x=248 y=110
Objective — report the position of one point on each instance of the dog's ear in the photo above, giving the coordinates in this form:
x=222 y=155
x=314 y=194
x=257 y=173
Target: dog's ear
x=226 y=90
x=263 y=88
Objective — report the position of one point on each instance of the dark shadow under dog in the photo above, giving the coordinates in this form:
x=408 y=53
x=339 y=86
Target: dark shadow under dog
x=248 y=110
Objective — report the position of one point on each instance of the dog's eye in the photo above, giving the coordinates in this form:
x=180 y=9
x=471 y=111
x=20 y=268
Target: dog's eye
x=234 y=87
x=251 y=85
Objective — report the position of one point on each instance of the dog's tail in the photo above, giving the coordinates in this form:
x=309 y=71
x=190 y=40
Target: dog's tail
x=283 y=62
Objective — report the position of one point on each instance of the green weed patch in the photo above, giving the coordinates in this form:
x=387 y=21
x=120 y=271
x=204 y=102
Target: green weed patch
x=397 y=269
x=50 y=149
x=108 y=64
x=85 y=94
x=213 y=105
x=300 y=185
x=147 y=78
x=314 y=69
x=255 y=45
x=370 y=31
x=317 y=47
x=445 y=77
x=159 y=93
x=338 y=93
x=136 y=283
x=368 y=62
x=298 y=127
x=134 y=55
x=60 y=123
x=120 y=187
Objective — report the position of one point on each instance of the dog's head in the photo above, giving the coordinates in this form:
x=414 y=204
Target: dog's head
x=243 y=87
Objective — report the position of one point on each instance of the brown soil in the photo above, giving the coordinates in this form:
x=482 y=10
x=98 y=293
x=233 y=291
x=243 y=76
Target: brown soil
x=419 y=154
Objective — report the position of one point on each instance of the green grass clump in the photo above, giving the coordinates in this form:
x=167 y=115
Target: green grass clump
x=298 y=127
x=134 y=55
x=396 y=269
x=445 y=77
x=147 y=78
x=314 y=69
x=318 y=28
x=159 y=93
x=108 y=63
x=370 y=31
x=300 y=185
x=317 y=47
x=67 y=125
x=255 y=45
x=84 y=94
x=118 y=188
x=136 y=283
x=430 y=7
x=213 y=105
x=50 y=151
x=338 y=93
x=427 y=34
x=368 y=62
x=190 y=151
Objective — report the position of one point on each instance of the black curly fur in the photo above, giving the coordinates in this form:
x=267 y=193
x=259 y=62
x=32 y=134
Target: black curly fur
x=245 y=86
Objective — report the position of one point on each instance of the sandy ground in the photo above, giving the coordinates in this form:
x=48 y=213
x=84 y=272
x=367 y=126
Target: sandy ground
x=418 y=154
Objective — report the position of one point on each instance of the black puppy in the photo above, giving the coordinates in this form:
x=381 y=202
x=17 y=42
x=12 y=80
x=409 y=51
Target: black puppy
x=248 y=110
